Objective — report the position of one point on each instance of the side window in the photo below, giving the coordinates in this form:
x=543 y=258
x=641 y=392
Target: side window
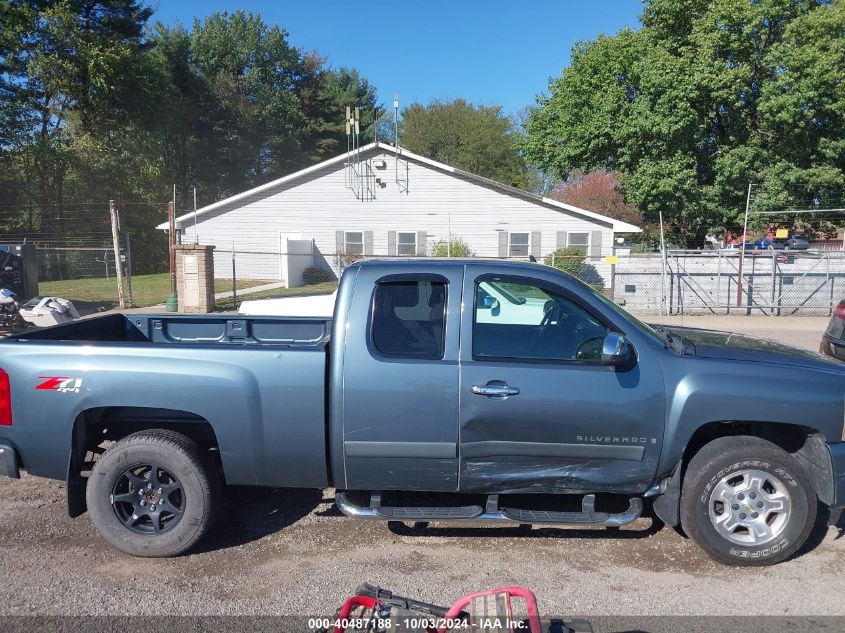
x=523 y=321
x=409 y=318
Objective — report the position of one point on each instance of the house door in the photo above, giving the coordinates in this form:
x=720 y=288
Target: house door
x=284 y=251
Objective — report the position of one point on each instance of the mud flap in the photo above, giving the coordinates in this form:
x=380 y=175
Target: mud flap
x=667 y=506
x=75 y=488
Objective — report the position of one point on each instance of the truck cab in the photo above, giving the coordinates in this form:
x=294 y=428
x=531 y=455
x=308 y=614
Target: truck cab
x=490 y=379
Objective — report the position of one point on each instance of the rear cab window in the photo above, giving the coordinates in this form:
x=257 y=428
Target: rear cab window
x=409 y=318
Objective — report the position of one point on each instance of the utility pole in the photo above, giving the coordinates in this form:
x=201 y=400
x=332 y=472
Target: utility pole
x=663 y=262
x=742 y=249
x=172 y=303
x=121 y=301
x=196 y=233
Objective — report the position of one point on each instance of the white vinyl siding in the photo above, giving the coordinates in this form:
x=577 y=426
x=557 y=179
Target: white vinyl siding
x=519 y=244
x=406 y=243
x=320 y=207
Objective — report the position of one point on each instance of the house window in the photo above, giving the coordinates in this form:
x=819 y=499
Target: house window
x=353 y=243
x=406 y=243
x=581 y=241
x=518 y=245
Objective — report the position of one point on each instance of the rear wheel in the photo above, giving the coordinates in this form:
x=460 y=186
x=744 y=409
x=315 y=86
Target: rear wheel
x=746 y=501
x=153 y=493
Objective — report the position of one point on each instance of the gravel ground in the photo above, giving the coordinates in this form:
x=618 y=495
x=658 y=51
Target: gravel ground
x=291 y=552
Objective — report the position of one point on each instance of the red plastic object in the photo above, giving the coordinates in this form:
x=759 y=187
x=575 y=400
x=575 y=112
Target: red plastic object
x=519 y=592
x=353 y=603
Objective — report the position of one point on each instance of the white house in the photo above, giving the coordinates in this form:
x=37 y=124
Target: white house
x=381 y=201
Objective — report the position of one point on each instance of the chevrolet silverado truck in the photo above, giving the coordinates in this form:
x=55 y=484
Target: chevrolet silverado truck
x=466 y=390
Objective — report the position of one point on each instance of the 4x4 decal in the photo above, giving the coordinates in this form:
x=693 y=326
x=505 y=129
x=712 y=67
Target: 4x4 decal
x=62 y=384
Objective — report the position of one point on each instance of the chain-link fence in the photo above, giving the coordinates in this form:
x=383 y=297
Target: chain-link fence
x=85 y=275
x=241 y=275
x=682 y=282
x=250 y=274
x=773 y=282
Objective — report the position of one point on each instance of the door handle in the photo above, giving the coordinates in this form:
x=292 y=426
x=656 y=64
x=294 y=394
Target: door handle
x=494 y=390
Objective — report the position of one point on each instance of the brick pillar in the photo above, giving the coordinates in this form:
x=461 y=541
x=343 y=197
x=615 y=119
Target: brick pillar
x=195 y=277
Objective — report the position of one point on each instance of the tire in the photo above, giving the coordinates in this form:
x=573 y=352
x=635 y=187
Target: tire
x=147 y=514
x=747 y=502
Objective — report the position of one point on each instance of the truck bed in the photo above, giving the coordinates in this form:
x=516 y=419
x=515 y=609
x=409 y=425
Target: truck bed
x=258 y=383
x=188 y=329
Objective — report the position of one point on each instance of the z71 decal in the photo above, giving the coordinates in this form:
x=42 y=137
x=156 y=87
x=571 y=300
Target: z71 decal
x=62 y=384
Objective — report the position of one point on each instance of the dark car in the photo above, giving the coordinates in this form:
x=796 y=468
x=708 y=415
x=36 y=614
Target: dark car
x=768 y=244
x=797 y=243
x=833 y=339
x=748 y=245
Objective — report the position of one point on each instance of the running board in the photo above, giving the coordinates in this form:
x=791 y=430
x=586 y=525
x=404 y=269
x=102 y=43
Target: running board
x=491 y=512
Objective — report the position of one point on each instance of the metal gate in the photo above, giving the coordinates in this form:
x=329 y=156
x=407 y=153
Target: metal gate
x=723 y=282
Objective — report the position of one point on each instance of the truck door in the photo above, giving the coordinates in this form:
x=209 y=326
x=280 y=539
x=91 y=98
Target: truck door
x=400 y=379
x=538 y=411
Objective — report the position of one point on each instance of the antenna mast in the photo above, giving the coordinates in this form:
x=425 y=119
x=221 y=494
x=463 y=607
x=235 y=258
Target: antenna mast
x=357 y=175
x=403 y=184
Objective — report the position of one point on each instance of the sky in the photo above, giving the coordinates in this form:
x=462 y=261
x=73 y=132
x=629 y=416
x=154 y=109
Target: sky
x=493 y=52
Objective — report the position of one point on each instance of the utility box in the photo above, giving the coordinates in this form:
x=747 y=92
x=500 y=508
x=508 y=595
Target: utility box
x=19 y=270
x=195 y=278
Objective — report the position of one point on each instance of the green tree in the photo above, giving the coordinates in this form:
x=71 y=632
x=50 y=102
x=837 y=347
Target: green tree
x=68 y=69
x=96 y=104
x=325 y=97
x=245 y=106
x=477 y=139
x=455 y=247
x=687 y=110
x=569 y=260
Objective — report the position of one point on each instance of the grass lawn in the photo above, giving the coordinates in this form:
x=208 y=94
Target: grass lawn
x=313 y=289
x=150 y=290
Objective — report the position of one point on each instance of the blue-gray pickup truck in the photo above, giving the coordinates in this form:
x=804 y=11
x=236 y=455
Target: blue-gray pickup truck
x=438 y=390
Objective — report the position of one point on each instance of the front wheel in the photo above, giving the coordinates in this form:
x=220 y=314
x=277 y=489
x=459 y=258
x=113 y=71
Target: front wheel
x=746 y=501
x=153 y=493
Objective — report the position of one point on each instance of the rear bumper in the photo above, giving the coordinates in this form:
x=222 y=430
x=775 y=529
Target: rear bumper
x=837 y=462
x=831 y=346
x=9 y=462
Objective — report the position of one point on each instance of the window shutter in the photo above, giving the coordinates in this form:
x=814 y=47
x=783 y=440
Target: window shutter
x=422 y=243
x=561 y=239
x=340 y=244
x=595 y=244
x=391 y=243
x=503 y=244
x=368 y=243
x=536 y=246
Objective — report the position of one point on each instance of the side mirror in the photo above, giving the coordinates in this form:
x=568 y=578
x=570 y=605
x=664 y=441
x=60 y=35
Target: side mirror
x=616 y=351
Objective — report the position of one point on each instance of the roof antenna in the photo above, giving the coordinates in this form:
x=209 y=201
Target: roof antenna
x=396 y=148
x=396 y=120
